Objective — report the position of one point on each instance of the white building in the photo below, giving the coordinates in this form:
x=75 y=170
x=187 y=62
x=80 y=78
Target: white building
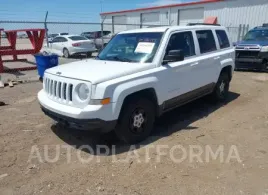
x=229 y=13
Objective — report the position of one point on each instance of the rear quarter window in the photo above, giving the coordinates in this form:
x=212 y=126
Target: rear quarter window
x=223 y=39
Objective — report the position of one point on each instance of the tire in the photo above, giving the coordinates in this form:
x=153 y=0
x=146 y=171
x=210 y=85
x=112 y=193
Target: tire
x=265 y=66
x=89 y=54
x=136 y=120
x=66 y=53
x=221 y=90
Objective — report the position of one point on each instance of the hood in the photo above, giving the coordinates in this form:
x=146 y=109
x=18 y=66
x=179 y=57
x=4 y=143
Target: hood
x=261 y=43
x=97 y=71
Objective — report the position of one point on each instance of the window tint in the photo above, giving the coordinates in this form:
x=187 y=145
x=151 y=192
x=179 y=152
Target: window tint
x=62 y=39
x=223 y=39
x=77 y=38
x=206 y=41
x=56 y=39
x=182 y=41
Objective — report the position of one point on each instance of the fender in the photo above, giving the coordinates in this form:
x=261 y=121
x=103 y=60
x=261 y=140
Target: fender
x=227 y=62
x=125 y=89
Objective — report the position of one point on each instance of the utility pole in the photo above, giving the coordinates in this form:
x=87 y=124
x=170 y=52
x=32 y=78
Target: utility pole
x=102 y=41
x=101 y=5
x=46 y=28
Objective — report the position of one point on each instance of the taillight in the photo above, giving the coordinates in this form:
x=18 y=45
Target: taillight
x=76 y=44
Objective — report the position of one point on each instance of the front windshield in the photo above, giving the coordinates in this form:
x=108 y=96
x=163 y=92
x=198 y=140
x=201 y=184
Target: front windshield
x=257 y=35
x=132 y=47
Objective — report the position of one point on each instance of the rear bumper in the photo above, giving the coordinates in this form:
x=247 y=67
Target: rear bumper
x=97 y=125
x=248 y=63
x=77 y=51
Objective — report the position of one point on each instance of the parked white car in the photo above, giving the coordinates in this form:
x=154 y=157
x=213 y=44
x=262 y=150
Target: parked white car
x=137 y=77
x=69 y=45
x=52 y=36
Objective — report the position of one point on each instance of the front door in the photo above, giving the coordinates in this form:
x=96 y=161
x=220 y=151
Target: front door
x=180 y=79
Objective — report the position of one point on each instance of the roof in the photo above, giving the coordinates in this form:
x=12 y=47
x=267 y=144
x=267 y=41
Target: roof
x=71 y=35
x=171 y=28
x=164 y=6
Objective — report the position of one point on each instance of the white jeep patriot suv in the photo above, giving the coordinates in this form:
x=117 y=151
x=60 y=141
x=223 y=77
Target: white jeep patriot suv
x=138 y=76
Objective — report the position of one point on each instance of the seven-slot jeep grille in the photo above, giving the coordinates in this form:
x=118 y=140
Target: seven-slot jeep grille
x=58 y=89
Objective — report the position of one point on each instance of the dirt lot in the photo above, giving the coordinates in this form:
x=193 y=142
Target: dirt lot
x=242 y=122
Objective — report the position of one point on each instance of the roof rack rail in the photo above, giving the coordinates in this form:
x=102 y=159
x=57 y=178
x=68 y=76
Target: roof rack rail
x=206 y=24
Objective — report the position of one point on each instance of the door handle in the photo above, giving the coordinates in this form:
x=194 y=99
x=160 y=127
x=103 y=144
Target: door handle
x=194 y=64
x=216 y=58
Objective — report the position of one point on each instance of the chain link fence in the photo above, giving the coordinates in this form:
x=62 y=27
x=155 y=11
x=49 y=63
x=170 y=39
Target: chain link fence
x=99 y=33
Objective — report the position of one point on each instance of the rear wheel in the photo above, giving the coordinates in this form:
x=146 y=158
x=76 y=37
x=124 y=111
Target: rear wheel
x=66 y=53
x=136 y=120
x=221 y=90
x=89 y=54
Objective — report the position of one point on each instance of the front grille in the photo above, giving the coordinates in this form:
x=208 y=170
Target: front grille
x=58 y=89
x=247 y=54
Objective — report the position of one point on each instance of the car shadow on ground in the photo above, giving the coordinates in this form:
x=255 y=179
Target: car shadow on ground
x=176 y=120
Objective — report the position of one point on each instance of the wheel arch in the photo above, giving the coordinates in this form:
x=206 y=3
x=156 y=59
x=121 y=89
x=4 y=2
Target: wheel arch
x=227 y=65
x=145 y=88
x=229 y=70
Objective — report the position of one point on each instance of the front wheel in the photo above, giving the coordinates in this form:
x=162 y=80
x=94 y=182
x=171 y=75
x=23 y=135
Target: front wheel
x=136 y=120
x=221 y=90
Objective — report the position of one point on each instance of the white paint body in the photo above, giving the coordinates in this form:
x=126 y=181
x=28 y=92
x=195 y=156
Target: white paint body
x=58 y=47
x=117 y=80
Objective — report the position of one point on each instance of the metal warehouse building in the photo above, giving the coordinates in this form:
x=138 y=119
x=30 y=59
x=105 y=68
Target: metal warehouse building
x=229 y=13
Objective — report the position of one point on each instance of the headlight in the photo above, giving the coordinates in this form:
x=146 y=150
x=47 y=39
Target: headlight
x=264 y=49
x=83 y=91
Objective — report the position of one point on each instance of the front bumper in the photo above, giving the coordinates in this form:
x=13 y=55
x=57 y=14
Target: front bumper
x=248 y=63
x=91 y=117
x=81 y=124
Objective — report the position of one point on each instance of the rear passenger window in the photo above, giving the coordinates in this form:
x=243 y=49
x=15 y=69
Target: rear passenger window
x=206 y=41
x=182 y=41
x=223 y=39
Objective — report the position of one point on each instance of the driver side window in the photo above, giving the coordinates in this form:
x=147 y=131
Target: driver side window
x=182 y=41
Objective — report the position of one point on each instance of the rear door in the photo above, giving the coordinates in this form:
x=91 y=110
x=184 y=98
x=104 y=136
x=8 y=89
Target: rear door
x=60 y=44
x=206 y=68
x=54 y=45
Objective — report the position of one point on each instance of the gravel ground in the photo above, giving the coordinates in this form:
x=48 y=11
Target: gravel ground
x=239 y=126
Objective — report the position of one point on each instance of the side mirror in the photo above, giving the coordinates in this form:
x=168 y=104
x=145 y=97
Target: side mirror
x=174 y=56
